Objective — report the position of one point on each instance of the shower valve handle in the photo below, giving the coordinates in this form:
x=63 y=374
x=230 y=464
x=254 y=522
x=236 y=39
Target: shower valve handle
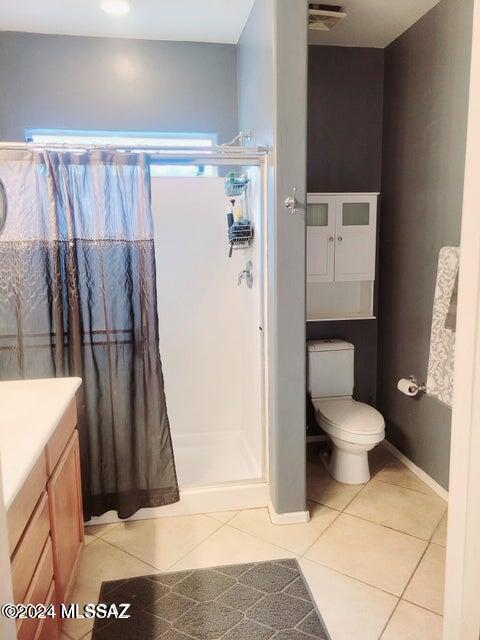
x=247 y=275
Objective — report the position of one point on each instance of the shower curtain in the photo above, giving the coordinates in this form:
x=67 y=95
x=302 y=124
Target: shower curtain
x=78 y=298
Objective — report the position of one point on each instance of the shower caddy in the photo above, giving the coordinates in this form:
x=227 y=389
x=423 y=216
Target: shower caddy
x=240 y=232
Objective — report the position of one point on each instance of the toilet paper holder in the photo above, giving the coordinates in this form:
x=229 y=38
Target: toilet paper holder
x=415 y=388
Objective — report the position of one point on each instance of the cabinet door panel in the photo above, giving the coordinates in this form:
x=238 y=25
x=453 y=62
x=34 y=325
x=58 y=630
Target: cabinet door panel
x=320 y=238
x=355 y=238
x=65 y=501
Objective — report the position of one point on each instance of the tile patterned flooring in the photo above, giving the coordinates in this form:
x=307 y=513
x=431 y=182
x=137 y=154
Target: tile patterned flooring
x=373 y=555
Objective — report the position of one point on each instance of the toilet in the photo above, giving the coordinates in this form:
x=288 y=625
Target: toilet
x=353 y=427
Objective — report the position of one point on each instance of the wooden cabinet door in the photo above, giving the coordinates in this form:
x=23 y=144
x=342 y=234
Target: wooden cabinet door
x=66 y=516
x=355 y=242
x=320 y=238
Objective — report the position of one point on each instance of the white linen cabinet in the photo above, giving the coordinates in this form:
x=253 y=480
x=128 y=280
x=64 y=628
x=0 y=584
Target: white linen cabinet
x=341 y=251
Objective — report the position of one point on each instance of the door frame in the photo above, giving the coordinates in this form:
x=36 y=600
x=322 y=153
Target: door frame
x=462 y=583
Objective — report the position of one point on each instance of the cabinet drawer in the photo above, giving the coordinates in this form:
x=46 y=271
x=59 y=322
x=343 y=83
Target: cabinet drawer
x=38 y=591
x=28 y=552
x=48 y=628
x=60 y=438
x=22 y=507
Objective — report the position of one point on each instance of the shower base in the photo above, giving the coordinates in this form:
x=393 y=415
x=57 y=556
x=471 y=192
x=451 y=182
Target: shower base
x=208 y=459
x=216 y=472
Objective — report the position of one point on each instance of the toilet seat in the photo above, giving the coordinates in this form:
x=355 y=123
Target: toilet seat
x=349 y=420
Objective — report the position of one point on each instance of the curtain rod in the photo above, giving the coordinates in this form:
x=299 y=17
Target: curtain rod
x=167 y=151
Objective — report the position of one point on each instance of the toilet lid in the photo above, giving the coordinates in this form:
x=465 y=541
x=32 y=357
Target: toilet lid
x=349 y=415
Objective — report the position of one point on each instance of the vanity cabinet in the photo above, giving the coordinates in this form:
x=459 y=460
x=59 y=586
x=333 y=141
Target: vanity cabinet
x=45 y=527
x=66 y=520
x=341 y=251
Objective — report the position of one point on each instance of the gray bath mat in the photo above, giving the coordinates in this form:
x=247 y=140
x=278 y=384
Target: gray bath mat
x=258 y=601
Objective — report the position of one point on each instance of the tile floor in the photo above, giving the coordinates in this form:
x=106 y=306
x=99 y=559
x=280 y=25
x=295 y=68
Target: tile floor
x=373 y=555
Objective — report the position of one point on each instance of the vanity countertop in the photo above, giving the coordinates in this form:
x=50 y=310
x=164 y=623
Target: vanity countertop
x=30 y=411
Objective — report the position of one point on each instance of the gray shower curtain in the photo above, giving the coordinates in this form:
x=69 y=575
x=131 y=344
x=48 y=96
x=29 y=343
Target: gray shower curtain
x=78 y=298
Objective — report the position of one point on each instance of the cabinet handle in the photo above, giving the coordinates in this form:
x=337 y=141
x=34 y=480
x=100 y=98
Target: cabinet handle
x=340 y=238
x=331 y=239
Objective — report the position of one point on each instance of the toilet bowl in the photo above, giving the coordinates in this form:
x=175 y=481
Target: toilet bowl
x=354 y=427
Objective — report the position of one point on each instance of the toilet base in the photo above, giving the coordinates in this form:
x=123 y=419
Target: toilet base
x=348 y=463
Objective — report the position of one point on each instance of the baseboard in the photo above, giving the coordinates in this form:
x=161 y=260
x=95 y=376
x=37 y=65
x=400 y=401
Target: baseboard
x=205 y=500
x=420 y=473
x=293 y=517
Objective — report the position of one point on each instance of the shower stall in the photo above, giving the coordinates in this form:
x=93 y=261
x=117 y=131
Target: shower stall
x=211 y=308
x=212 y=336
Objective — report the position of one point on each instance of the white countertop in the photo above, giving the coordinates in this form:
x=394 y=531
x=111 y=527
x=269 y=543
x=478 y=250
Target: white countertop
x=30 y=411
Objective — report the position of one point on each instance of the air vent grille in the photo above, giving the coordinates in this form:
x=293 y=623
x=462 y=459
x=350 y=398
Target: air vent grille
x=323 y=17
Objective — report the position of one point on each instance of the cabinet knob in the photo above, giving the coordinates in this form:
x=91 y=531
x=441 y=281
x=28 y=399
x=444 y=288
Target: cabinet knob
x=331 y=239
x=340 y=238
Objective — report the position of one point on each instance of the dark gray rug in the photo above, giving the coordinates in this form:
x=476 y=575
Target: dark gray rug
x=259 y=601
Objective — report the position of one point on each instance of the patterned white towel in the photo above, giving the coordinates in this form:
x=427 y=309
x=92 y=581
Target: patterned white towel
x=442 y=341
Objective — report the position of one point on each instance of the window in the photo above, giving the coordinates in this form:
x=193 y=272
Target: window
x=159 y=167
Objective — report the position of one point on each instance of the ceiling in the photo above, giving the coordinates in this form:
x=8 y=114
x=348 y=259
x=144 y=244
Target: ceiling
x=371 y=23
x=188 y=20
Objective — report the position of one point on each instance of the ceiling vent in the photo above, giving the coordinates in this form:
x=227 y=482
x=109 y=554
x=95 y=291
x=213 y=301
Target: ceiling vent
x=323 y=17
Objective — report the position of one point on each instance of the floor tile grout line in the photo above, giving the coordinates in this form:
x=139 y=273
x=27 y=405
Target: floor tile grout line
x=430 y=493
x=222 y=526
x=344 y=510
x=386 y=526
x=408 y=583
x=402 y=594
x=355 y=496
x=419 y=606
x=400 y=486
x=131 y=555
x=186 y=515
x=298 y=554
x=346 y=575
x=339 y=513
x=209 y=515
x=272 y=544
x=100 y=535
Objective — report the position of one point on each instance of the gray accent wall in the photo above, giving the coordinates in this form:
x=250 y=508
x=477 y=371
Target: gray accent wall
x=345 y=114
x=74 y=82
x=345 y=120
x=425 y=119
x=272 y=63
x=288 y=297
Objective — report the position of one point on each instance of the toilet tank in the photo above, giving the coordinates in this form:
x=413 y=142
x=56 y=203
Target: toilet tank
x=330 y=368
